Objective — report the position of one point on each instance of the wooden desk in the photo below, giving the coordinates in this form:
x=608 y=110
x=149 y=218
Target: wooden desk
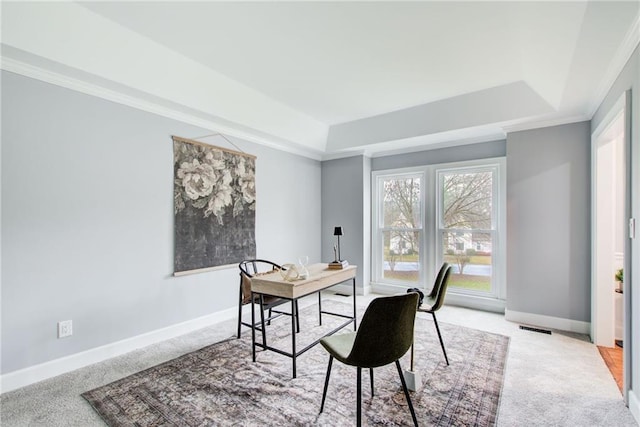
x=320 y=278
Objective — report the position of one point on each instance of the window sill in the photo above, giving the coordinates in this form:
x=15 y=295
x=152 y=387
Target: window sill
x=476 y=302
x=390 y=289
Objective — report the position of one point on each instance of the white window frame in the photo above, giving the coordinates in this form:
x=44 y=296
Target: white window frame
x=498 y=222
x=431 y=254
x=378 y=229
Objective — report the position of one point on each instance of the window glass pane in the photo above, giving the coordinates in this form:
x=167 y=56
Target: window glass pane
x=467 y=200
x=470 y=257
x=401 y=255
x=401 y=202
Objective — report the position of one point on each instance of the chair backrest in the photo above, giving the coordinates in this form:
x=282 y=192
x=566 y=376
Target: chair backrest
x=439 y=299
x=248 y=269
x=438 y=282
x=386 y=331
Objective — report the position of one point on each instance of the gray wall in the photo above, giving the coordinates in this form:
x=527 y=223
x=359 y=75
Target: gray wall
x=548 y=221
x=460 y=153
x=345 y=202
x=629 y=78
x=87 y=222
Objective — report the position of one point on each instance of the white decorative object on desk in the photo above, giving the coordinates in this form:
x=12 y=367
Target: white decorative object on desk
x=289 y=272
x=302 y=269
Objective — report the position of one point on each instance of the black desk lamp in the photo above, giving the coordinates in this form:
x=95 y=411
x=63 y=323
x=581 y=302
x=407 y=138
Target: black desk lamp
x=338 y=262
x=337 y=231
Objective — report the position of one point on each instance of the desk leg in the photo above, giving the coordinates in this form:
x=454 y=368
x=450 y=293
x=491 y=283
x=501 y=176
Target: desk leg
x=355 y=326
x=293 y=334
x=264 y=329
x=253 y=327
x=320 y=306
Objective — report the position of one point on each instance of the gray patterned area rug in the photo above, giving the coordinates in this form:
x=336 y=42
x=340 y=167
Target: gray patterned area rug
x=219 y=385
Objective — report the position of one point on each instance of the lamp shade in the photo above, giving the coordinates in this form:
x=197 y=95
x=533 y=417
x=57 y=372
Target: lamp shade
x=337 y=231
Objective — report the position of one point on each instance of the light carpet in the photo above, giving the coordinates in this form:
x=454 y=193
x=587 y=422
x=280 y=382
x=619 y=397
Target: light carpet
x=220 y=385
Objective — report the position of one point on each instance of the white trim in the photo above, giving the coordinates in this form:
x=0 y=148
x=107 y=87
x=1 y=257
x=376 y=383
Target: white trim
x=78 y=85
x=23 y=377
x=476 y=302
x=431 y=252
x=607 y=122
x=388 y=289
x=376 y=216
x=551 y=322
x=609 y=118
x=498 y=167
x=622 y=55
x=545 y=123
x=634 y=406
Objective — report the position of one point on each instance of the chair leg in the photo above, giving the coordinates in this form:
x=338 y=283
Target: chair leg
x=406 y=394
x=326 y=383
x=269 y=321
x=297 y=317
x=371 y=376
x=359 y=393
x=440 y=337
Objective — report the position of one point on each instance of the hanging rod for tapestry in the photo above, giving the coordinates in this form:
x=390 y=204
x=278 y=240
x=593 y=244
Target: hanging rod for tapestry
x=204 y=144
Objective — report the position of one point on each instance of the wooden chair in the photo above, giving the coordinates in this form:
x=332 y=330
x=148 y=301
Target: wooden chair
x=384 y=336
x=248 y=269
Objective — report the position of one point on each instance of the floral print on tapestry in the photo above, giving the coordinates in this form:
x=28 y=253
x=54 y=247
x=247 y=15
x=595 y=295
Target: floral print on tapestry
x=214 y=205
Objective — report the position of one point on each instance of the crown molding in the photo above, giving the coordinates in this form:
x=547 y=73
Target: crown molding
x=88 y=88
x=344 y=154
x=622 y=55
x=451 y=138
x=545 y=123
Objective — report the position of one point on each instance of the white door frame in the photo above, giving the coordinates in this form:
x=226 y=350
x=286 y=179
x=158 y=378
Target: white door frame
x=602 y=303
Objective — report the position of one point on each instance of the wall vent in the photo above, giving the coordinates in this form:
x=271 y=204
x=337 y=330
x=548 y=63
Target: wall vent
x=532 y=329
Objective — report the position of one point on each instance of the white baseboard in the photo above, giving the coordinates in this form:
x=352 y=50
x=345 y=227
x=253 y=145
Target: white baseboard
x=551 y=322
x=23 y=377
x=634 y=405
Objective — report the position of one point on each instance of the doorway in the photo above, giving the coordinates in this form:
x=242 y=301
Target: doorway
x=610 y=244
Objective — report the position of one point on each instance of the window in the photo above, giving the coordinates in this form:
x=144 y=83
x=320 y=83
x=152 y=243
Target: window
x=467 y=227
x=425 y=216
x=399 y=229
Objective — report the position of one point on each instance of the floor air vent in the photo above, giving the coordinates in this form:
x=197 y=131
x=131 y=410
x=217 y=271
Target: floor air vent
x=532 y=329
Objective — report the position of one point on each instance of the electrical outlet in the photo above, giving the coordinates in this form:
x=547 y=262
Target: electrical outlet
x=65 y=328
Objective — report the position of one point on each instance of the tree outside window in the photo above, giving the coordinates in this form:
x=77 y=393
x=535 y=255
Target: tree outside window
x=466 y=221
x=402 y=228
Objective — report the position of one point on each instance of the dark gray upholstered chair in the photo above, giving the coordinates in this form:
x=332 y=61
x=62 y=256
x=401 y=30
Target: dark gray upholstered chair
x=384 y=336
x=434 y=300
x=248 y=269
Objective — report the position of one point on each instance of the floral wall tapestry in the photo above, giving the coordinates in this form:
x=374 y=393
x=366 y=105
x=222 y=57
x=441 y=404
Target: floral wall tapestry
x=214 y=206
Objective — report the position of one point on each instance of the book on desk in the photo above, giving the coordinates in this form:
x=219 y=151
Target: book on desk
x=338 y=265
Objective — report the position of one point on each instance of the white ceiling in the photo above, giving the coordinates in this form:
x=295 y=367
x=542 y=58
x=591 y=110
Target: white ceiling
x=334 y=63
